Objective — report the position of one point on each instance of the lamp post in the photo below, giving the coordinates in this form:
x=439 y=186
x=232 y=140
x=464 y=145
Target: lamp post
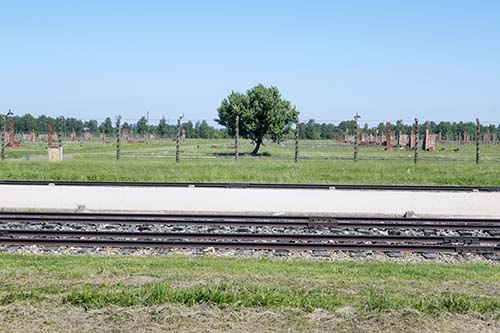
x=4 y=121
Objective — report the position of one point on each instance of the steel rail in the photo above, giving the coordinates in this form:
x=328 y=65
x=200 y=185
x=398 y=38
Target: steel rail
x=247 y=245
x=260 y=185
x=245 y=236
x=254 y=220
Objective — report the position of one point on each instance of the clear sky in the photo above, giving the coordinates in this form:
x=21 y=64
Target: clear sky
x=387 y=60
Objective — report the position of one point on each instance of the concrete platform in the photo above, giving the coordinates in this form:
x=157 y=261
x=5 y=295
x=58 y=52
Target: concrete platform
x=245 y=201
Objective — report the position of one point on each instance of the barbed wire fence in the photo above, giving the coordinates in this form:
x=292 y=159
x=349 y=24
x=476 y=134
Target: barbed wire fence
x=400 y=140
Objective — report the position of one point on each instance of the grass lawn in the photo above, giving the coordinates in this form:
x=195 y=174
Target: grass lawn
x=212 y=161
x=190 y=293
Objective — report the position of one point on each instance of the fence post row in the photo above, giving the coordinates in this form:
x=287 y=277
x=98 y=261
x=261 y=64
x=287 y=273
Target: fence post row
x=118 y=137
x=415 y=157
x=478 y=132
x=236 y=136
x=467 y=138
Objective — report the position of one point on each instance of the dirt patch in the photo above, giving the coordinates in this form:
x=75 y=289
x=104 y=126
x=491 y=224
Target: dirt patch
x=49 y=317
x=413 y=322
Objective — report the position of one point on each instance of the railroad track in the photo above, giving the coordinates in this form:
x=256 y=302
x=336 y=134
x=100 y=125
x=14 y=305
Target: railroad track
x=244 y=240
x=256 y=220
x=440 y=188
x=250 y=241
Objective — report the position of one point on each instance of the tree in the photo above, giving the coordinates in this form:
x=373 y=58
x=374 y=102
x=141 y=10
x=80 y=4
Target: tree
x=91 y=126
x=189 y=129
x=261 y=112
x=142 y=126
x=203 y=130
x=312 y=130
x=106 y=126
x=162 y=127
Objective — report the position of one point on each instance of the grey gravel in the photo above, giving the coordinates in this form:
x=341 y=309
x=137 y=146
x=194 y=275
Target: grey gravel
x=244 y=253
x=406 y=257
x=320 y=253
x=492 y=256
x=280 y=253
x=316 y=254
x=429 y=255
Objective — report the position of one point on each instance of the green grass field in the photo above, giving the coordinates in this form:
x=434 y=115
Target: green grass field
x=348 y=291
x=213 y=161
x=154 y=294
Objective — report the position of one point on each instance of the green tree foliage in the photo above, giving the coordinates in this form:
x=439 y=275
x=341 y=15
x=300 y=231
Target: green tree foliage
x=106 y=126
x=142 y=126
x=162 y=128
x=261 y=111
x=203 y=130
x=189 y=129
x=91 y=126
x=308 y=130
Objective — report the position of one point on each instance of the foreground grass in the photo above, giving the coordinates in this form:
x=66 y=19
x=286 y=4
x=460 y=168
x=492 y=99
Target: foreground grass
x=175 y=292
x=256 y=170
x=93 y=282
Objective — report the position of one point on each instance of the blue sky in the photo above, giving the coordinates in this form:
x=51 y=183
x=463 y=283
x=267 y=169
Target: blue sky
x=387 y=60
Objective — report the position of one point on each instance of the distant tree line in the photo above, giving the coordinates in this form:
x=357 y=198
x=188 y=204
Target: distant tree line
x=310 y=130
x=313 y=130
x=200 y=129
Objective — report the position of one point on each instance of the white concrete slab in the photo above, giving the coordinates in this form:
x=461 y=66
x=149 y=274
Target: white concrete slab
x=340 y=202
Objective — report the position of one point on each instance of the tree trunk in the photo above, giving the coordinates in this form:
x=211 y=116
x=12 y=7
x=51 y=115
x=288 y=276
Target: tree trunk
x=258 y=142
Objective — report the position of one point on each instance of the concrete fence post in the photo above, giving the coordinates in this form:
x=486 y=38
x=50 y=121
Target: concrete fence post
x=4 y=125
x=478 y=133
x=4 y=120
x=356 y=136
x=297 y=136
x=60 y=128
x=177 y=139
x=236 y=137
x=118 y=137
x=415 y=157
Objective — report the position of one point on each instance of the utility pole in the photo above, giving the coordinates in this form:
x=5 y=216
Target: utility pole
x=236 y=136
x=478 y=133
x=356 y=136
x=177 y=138
x=118 y=137
x=4 y=121
x=415 y=157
